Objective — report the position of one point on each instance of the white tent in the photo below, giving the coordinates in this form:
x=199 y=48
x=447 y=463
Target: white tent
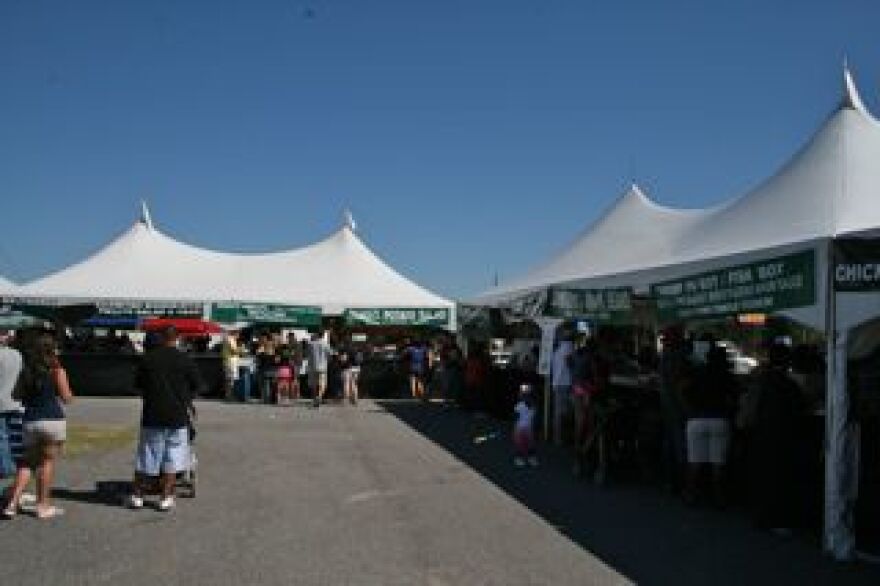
x=831 y=188
x=7 y=287
x=336 y=274
x=632 y=234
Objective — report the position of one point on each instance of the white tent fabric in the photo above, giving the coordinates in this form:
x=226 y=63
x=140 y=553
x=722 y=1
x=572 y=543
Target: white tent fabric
x=829 y=188
x=634 y=233
x=7 y=287
x=337 y=273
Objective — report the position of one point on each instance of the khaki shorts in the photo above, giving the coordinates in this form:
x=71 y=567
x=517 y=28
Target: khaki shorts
x=44 y=431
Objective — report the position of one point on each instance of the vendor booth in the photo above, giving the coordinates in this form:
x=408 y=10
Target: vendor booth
x=145 y=275
x=770 y=251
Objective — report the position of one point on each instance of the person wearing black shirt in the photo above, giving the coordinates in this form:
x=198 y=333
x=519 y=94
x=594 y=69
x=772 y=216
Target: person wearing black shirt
x=168 y=380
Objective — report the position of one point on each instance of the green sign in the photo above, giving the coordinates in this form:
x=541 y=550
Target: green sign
x=258 y=313
x=11 y=319
x=780 y=283
x=857 y=264
x=598 y=305
x=434 y=317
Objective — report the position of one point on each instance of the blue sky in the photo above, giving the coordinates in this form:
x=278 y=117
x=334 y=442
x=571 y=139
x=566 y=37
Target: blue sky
x=469 y=137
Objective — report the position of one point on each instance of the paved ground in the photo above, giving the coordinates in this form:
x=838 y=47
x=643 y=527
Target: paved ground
x=295 y=496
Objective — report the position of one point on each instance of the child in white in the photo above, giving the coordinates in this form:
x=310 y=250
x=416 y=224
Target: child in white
x=523 y=429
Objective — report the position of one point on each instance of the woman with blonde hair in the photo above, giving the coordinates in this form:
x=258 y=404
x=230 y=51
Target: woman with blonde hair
x=43 y=387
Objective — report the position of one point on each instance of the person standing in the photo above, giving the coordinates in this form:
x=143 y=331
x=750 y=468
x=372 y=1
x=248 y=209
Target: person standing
x=776 y=445
x=523 y=429
x=319 y=356
x=560 y=372
x=10 y=409
x=583 y=388
x=168 y=380
x=417 y=357
x=43 y=388
x=229 y=352
x=710 y=401
x=674 y=368
x=351 y=360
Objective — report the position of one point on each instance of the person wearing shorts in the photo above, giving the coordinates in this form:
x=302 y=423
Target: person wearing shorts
x=319 y=354
x=44 y=387
x=560 y=373
x=10 y=410
x=710 y=397
x=351 y=371
x=168 y=381
x=417 y=355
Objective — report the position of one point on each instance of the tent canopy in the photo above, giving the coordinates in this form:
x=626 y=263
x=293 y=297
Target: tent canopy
x=7 y=287
x=144 y=264
x=829 y=188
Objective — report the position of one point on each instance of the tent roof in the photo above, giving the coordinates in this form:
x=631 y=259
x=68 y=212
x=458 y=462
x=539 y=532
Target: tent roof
x=830 y=187
x=144 y=264
x=646 y=228
x=7 y=286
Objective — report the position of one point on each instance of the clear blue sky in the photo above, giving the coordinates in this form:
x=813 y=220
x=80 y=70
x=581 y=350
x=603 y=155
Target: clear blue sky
x=467 y=136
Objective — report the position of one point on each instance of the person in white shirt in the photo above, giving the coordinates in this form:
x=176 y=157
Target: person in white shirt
x=318 y=358
x=523 y=428
x=560 y=374
x=10 y=409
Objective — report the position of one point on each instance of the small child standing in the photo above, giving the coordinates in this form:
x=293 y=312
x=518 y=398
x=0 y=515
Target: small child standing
x=523 y=430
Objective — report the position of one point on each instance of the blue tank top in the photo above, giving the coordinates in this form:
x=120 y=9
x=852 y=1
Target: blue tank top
x=44 y=404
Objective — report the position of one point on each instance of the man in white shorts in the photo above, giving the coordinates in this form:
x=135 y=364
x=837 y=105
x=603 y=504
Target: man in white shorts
x=168 y=381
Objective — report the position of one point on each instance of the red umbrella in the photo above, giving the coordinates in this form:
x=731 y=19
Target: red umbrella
x=186 y=326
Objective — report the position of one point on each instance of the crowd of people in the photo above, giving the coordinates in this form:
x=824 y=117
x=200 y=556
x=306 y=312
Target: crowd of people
x=706 y=434
x=718 y=434
x=279 y=371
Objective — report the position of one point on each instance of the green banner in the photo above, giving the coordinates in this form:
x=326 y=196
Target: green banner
x=857 y=264
x=597 y=305
x=258 y=313
x=424 y=316
x=775 y=284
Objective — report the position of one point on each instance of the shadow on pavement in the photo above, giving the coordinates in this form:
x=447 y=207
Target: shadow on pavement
x=639 y=531
x=107 y=492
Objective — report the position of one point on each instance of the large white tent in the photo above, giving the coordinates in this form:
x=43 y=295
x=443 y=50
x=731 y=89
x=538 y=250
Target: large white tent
x=335 y=274
x=829 y=189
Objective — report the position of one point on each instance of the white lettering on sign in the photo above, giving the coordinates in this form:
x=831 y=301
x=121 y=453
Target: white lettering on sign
x=771 y=271
x=739 y=276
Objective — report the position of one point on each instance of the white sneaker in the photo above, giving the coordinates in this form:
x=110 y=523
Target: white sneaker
x=166 y=504
x=519 y=462
x=533 y=461
x=134 y=502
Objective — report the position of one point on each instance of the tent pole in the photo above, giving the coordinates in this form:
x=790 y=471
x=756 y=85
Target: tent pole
x=840 y=457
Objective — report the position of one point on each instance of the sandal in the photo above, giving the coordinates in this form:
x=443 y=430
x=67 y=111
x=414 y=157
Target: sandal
x=49 y=512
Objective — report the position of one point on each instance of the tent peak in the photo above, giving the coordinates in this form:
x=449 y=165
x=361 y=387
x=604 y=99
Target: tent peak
x=852 y=100
x=348 y=220
x=146 y=219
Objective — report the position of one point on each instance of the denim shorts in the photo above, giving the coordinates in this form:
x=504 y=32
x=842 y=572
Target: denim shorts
x=11 y=442
x=163 y=450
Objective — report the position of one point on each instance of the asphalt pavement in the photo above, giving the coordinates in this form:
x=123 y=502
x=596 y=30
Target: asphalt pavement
x=291 y=495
